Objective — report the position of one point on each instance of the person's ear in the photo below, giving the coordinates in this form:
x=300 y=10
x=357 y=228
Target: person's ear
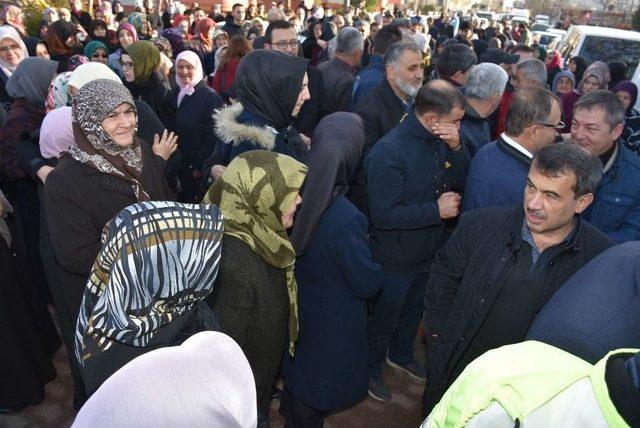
x=617 y=131
x=583 y=202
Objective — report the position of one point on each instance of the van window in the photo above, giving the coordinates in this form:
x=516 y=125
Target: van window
x=608 y=50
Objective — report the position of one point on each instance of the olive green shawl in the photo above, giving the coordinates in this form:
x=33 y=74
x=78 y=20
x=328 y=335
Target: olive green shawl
x=253 y=193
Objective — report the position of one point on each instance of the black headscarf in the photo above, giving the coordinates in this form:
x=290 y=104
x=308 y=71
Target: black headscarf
x=336 y=148
x=268 y=83
x=618 y=71
x=581 y=66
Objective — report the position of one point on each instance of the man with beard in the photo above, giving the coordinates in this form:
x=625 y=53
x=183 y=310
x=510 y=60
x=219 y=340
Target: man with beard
x=503 y=264
x=382 y=107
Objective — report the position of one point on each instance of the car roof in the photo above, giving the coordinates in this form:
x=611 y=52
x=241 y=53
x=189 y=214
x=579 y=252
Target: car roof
x=613 y=33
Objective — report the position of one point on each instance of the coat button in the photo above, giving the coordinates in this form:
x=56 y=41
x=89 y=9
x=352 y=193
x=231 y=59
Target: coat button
x=617 y=199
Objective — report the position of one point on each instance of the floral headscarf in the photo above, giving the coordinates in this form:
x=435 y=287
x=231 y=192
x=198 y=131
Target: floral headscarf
x=75 y=61
x=59 y=95
x=255 y=190
x=93 y=146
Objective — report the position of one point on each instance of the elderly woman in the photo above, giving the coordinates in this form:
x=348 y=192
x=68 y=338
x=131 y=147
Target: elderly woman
x=335 y=275
x=127 y=35
x=193 y=124
x=595 y=77
x=627 y=93
x=12 y=51
x=255 y=296
x=271 y=87
x=147 y=287
x=143 y=77
x=106 y=169
x=563 y=83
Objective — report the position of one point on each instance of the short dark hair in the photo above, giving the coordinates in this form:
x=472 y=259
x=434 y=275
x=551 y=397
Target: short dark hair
x=236 y=5
x=385 y=37
x=528 y=106
x=438 y=96
x=567 y=157
x=608 y=101
x=455 y=57
x=276 y=25
x=523 y=48
x=198 y=9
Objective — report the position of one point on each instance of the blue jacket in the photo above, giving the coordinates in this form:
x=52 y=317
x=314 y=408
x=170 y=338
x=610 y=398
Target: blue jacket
x=335 y=278
x=597 y=309
x=407 y=171
x=497 y=176
x=368 y=78
x=616 y=208
x=475 y=131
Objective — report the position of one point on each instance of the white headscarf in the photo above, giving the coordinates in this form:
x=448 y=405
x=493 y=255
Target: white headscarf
x=192 y=58
x=91 y=71
x=8 y=32
x=207 y=381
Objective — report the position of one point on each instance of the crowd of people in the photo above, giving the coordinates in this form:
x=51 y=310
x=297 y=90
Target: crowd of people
x=327 y=191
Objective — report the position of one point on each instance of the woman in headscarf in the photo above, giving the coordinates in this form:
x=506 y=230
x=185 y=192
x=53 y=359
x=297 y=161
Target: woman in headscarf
x=75 y=61
x=618 y=71
x=126 y=36
x=138 y=19
x=205 y=381
x=99 y=31
x=12 y=51
x=256 y=293
x=627 y=93
x=106 y=169
x=577 y=65
x=142 y=76
x=271 y=87
x=225 y=75
x=595 y=77
x=563 y=83
x=553 y=61
x=146 y=290
x=335 y=275
x=63 y=43
x=97 y=51
x=59 y=94
x=205 y=30
x=193 y=125
x=182 y=22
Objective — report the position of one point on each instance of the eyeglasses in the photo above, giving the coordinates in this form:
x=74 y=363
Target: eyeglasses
x=282 y=44
x=127 y=64
x=99 y=55
x=6 y=49
x=560 y=125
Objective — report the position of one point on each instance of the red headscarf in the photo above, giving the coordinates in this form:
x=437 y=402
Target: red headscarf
x=556 y=62
x=177 y=19
x=204 y=27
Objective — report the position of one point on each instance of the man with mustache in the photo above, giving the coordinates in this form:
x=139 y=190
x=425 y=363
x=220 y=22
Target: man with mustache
x=503 y=264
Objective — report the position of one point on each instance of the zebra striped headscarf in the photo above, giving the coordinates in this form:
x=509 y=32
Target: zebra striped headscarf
x=158 y=259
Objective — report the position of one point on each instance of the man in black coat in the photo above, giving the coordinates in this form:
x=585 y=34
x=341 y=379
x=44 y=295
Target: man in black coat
x=281 y=36
x=233 y=27
x=503 y=264
x=339 y=74
x=382 y=108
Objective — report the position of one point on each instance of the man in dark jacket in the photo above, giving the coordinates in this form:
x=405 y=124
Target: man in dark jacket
x=498 y=171
x=338 y=74
x=382 y=108
x=282 y=37
x=503 y=264
x=373 y=74
x=597 y=124
x=233 y=27
x=483 y=92
x=455 y=63
x=598 y=309
x=410 y=174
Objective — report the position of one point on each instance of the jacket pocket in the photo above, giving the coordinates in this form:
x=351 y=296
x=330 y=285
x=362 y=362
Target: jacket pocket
x=611 y=210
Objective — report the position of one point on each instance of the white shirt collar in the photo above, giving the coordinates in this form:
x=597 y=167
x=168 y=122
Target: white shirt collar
x=516 y=146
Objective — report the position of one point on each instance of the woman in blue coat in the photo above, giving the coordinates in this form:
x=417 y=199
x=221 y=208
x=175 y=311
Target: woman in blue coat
x=335 y=275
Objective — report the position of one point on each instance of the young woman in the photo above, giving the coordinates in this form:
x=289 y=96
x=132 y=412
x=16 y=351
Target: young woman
x=563 y=83
x=595 y=77
x=126 y=36
x=62 y=39
x=226 y=72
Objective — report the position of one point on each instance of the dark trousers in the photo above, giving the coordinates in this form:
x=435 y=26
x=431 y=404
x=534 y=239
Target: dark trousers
x=299 y=415
x=190 y=187
x=395 y=315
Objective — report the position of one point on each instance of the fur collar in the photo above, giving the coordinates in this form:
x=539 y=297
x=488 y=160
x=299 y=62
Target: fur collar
x=231 y=132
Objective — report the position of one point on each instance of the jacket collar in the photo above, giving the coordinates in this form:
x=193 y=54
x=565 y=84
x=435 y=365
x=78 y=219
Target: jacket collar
x=512 y=152
x=414 y=128
x=572 y=241
x=343 y=65
x=616 y=160
x=235 y=125
x=376 y=61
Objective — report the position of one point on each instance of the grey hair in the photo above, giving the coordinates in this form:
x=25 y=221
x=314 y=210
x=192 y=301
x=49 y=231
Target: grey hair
x=608 y=101
x=568 y=157
x=275 y=14
x=395 y=51
x=349 y=41
x=485 y=80
x=535 y=70
x=528 y=107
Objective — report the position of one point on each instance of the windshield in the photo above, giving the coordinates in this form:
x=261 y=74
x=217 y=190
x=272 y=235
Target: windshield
x=608 y=50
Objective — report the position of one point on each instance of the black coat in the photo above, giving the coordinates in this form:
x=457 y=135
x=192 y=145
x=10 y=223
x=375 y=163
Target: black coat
x=469 y=272
x=194 y=125
x=309 y=115
x=381 y=110
x=337 y=83
x=156 y=93
x=79 y=201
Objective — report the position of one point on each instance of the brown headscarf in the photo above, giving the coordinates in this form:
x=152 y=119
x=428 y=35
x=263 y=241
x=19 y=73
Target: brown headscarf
x=93 y=146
